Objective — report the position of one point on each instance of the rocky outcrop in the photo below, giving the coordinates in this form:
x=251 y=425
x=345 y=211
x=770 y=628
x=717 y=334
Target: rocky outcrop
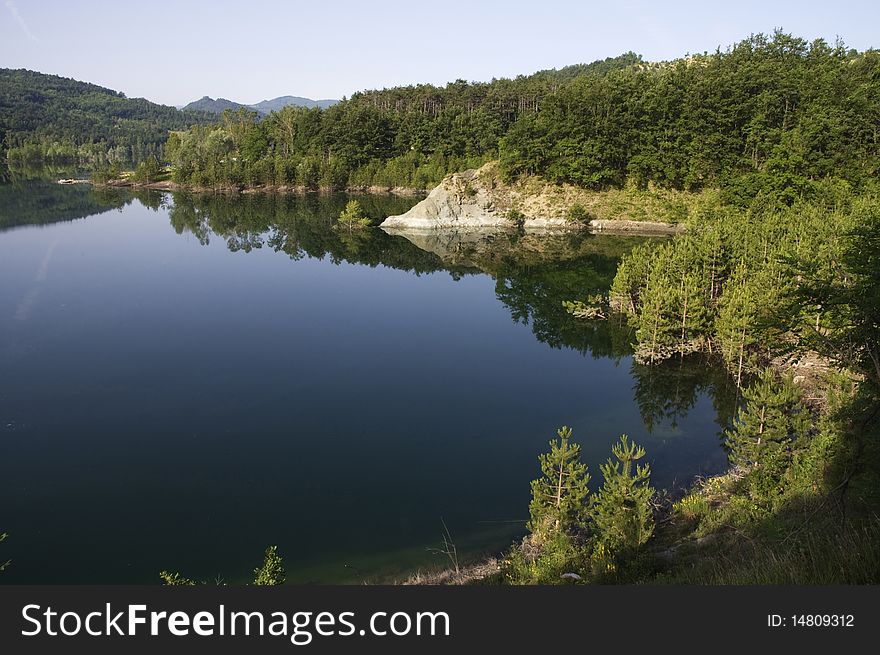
x=479 y=200
x=460 y=201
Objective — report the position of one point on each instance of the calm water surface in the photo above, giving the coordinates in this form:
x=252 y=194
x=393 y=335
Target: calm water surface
x=184 y=381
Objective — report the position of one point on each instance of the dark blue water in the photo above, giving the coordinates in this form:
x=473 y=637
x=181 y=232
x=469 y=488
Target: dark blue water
x=184 y=381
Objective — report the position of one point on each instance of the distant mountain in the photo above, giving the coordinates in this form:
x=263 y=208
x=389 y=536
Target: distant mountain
x=275 y=104
x=220 y=105
x=212 y=106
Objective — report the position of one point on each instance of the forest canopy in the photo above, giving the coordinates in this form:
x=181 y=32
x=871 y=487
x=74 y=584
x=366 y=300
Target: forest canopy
x=404 y=136
x=771 y=114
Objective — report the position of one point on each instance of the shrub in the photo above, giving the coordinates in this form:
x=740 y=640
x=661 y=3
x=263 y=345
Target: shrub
x=175 y=579
x=545 y=563
x=271 y=572
x=516 y=217
x=577 y=213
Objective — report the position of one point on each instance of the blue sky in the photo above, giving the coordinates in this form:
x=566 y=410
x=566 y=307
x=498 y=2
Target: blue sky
x=174 y=52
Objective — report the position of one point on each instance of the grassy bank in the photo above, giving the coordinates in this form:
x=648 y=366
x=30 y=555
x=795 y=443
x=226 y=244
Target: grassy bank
x=534 y=196
x=816 y=525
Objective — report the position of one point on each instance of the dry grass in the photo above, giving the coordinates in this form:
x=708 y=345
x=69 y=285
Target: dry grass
x=536 y=198
x=845 y=555
x=465 y=575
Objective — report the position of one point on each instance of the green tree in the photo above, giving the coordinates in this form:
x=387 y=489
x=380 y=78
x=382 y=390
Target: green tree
x=147 y=171
x=559 y=496
x=629 y=281
x=308 y=172
x=847 y=297
x=736 y=324
x=766 y=430
x=352 y=217
x=693 y=311
x=657 y=331
x=271 y=572
x=105 y=173
x=622 y=514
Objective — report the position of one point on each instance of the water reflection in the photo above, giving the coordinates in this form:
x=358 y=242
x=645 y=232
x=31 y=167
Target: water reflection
x=299 y=226
x=207 y=389
x=44 y=202
x=533 y=272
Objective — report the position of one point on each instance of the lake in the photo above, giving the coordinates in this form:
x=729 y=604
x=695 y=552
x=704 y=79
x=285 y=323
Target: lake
x=185 y=380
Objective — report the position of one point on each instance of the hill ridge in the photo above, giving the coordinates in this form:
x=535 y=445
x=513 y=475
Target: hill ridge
x=219 y=105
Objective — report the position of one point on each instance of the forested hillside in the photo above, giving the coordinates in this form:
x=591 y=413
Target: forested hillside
x=787 y=299
x=770 y=114
x=403 y=136
x=56 y=119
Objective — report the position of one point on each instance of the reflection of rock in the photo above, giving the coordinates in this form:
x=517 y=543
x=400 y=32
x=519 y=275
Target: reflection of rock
x=454 y=247
x=486 y=248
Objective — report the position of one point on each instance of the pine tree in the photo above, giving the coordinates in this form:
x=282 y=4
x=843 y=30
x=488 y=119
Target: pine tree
x=847 y=298
x=657 y=331
x=735 y=324
x=559 y=495
x=272 y=570
x=714 y=259
x=353 y=217
x=622 y=514
x=632 y=271
x=693 y=312
x=752 y=318
x=773 y=417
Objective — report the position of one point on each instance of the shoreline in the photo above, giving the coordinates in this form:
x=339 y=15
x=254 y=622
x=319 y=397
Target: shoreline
x=595 y=226
x=478 y=199
x=809 y=372
x=168 y=185
x=608 y=226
